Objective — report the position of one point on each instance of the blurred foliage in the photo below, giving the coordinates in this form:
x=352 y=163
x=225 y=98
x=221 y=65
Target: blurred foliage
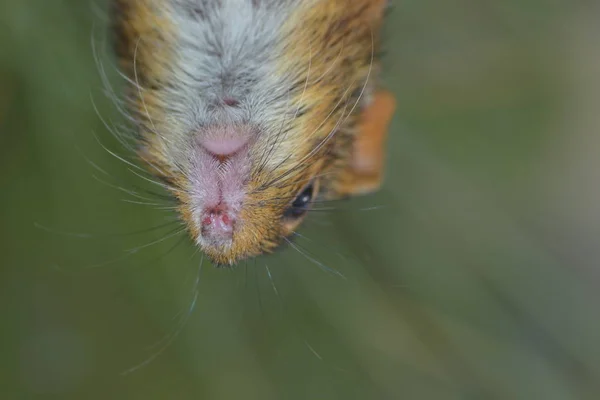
x=476 y=278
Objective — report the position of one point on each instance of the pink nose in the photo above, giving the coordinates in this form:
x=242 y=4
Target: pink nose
x=217 y=223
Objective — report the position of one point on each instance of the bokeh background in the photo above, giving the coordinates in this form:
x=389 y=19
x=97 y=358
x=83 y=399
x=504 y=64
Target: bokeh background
x=473 y=274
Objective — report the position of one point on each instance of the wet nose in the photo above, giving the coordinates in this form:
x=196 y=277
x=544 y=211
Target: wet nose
x=217 y=224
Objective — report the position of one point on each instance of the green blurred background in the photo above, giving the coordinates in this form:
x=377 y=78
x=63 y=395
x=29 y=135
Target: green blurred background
x=475 y=277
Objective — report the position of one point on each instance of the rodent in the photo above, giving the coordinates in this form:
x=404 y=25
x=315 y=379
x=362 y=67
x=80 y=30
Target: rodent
x=249 y=110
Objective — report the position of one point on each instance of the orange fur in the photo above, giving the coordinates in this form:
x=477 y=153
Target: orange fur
x=365 y=172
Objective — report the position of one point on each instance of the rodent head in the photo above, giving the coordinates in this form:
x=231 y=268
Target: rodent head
x=246 y=108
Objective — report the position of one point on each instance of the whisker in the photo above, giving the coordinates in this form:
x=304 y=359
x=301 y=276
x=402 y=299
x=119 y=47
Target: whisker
x=174 y=334
x=168 y=236
x=110 y=128
x=246 y=275
x=256 y=282
x=161 y=184
x=344 y=257
x=100 y=235
x=144 y=203
x=102 y=263
x=155 y=206
x=267 y=156
x=313 y=260
x=118 y=157
x=276 y=142
x=307 y=78
x=303 y=164
x=98 y=12
x=330 y=209
x=90 y=162
x=368 y=75
x=127 y=253
x=301 y=182
x=317 y=148
x=132 y=192
x=330 y=68
x=313 y=350
x=340 y=122
x=142 y=99
x=180 y=313
x=135 y=74
x=272 y=280
x=108 y=89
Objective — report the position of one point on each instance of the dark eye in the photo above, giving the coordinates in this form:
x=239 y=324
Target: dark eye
x=300 y=204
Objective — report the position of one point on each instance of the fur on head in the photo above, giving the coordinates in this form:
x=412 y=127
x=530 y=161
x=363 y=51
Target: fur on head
x=247 y=109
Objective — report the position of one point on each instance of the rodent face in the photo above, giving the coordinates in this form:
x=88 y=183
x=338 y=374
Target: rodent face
x=246 y=108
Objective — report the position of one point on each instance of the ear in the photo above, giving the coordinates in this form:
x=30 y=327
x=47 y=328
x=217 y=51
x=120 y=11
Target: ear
x=364 y=173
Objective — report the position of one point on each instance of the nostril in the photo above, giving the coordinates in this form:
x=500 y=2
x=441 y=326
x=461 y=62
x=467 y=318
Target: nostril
x=231 y=102
x=217 y=222
x=223 y=223
x=225 y=220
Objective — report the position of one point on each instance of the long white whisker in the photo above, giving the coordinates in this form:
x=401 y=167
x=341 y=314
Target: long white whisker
x=155 y=206
x=299 y=101
x=108 y=89
x=162 y=185
x=314 y=150
x=138 y=248
x=330 y=68
x=306 y=82
x=342 y=119
x=291 y=170
x=271 y=279
x=313 y=260
x=313 y=350
x=368 y=75
x=127 y=253
x=122 y=189
x=118 y=157
x=111 y=128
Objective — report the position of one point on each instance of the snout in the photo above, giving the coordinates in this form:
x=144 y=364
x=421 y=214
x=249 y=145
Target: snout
x=217 y=225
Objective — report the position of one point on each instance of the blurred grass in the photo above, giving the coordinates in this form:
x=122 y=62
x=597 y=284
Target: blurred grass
x=476 y=279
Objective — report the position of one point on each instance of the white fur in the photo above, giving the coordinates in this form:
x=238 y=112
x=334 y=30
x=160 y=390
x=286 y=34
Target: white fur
x=231 y=51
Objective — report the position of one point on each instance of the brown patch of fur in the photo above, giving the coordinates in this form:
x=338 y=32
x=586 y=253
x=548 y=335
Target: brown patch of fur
x=344 y=32
x=143 y=41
